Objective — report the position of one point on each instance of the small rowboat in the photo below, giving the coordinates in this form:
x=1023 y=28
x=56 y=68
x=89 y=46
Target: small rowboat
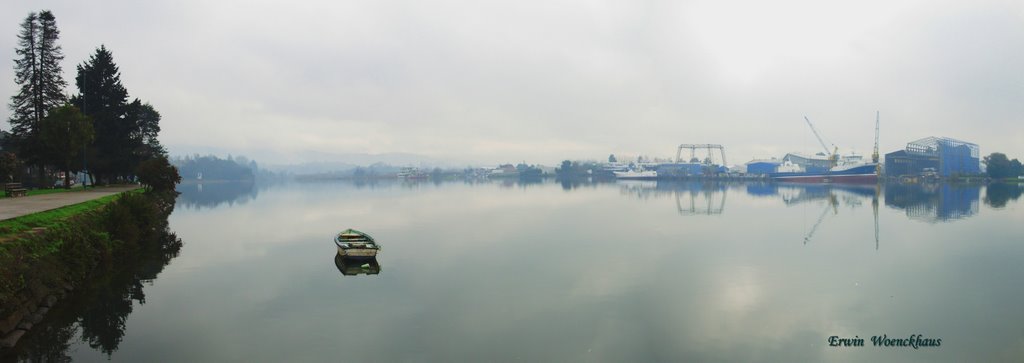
x=352 y=243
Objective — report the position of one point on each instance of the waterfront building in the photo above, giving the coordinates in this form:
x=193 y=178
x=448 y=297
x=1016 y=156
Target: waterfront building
x=944 y=155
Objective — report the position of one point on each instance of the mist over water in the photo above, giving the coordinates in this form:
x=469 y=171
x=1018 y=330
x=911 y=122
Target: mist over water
x=564 y=271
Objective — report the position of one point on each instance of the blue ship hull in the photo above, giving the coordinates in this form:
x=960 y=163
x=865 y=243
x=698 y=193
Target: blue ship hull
x=865 y=173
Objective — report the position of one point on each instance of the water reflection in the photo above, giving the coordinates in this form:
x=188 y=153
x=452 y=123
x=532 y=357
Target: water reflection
x=924 y=202
x=934 y=202
x=695 y=287
x=209 y=195
x=96 y=314
x=998 y=194
x=356 y=266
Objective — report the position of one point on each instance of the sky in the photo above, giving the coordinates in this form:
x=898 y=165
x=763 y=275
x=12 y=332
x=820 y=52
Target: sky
x=485 y=82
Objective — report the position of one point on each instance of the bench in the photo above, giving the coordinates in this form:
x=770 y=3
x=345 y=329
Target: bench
x=14 y=190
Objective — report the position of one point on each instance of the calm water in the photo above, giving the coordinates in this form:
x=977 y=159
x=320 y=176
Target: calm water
x=640 y=271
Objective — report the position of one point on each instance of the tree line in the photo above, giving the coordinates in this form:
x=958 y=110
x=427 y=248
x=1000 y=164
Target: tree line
x=97 y=130
x=210 y=167
x=999 y=166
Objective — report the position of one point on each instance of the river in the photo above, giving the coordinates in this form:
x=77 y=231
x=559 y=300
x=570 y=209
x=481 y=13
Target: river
x=561 y=271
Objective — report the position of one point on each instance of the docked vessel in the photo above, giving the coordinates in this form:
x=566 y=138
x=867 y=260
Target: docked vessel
x=353 y=243
x=846 y=169
x=848 y=173
x=636 y=174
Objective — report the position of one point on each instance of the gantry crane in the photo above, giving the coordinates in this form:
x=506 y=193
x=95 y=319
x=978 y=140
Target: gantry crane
x=693 y=152
x=833 y=156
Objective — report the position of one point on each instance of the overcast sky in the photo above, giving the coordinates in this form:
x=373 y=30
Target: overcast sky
x=497 y=81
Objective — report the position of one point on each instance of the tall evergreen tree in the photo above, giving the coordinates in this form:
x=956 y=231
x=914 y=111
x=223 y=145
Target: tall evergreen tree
x=51 y=75
x=103 y=98
x=41 y=82
x=24 y=114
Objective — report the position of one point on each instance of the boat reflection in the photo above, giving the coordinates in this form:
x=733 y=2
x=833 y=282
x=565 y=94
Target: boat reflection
x=356 y=266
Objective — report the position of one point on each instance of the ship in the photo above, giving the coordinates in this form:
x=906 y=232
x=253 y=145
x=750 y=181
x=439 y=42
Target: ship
x=636 y=174
x=848 y=169
x=854 y=173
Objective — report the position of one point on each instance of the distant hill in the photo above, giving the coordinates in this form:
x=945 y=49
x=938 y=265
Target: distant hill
x=210 y=167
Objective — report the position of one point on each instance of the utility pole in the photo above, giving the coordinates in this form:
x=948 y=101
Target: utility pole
x=85 y=169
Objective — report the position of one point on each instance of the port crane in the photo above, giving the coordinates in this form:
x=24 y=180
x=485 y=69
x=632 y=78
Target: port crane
x=874 y=155
x=833 y=156
x=693 y=152
x=834 y=204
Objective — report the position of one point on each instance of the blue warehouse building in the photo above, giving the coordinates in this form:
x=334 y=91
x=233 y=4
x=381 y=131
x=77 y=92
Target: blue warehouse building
x=762 y=167
x=946 y=156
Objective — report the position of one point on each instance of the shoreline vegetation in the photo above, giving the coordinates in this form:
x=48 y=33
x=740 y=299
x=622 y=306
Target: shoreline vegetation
x=98 y=132
x=46 y=256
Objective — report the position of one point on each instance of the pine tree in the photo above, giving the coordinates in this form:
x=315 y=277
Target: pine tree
x=40 y=82
x=24 y=114
x=103 y=98
x=51 y=78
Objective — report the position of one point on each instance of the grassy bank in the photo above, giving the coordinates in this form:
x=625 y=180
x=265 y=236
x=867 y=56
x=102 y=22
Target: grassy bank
x=76 y=242
x=47 y=219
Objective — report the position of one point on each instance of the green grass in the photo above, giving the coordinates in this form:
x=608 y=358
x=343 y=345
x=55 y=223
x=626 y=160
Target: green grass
x=52 y=191
x=54 y=217
x=46 y=191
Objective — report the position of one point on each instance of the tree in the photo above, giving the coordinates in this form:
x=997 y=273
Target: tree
x=103 y=97
x=40 y=82
x=143 y=135
x=10 y=166
x=51 y=78
x=64 y=133
x=611 y=158
x=999 y=166
x=158 y=174
x=566 y=167
x=23 y=112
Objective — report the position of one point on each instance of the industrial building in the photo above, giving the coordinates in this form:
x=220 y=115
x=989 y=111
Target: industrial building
x=943 y=155
x=762 y=167
x=818 y=163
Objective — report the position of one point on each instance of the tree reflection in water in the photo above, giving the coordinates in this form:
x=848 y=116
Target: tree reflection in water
x=96 y=313
x=998 y=194
x=194 y=195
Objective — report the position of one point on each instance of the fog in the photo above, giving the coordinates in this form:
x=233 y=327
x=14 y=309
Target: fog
x=506 y=81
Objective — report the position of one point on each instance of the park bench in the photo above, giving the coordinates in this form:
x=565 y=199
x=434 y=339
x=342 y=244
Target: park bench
x=14 y=190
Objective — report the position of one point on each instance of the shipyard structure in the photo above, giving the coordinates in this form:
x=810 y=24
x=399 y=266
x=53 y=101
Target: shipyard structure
x=926 y=159
x=941 y=156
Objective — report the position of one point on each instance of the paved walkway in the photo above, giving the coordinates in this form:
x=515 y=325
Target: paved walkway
x=19 y=206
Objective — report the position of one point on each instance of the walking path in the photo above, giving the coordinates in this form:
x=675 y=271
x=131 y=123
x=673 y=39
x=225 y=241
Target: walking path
x=19 y=206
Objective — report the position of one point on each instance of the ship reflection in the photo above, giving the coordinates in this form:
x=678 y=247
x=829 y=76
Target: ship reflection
x=356 y=266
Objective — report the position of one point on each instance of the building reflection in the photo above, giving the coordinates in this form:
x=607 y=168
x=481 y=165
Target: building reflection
x=934 y=202
x=356 y=266
x=692 y=197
